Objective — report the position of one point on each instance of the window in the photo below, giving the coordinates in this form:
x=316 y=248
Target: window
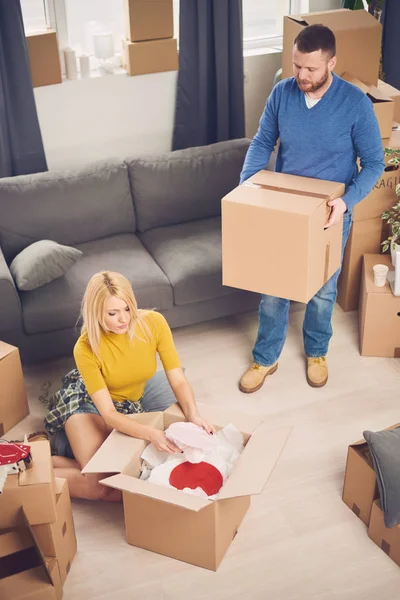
x=34 y=15
x=263 y=20
x=85 y=19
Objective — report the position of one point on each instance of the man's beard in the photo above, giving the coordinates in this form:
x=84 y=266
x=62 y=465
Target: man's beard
x=315 y=86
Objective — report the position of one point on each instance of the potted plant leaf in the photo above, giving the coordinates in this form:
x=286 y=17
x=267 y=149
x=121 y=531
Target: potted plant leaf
x=392 y=216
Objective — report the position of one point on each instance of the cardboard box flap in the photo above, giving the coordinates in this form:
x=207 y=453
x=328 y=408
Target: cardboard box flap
x=118 y=450
x=256 y=462
x=157 y=492
x=59 y=484
x=42 y=469
x=6 y=349
x=341 y=19
x=295 y=184
x=373 y=92
x=15 y=541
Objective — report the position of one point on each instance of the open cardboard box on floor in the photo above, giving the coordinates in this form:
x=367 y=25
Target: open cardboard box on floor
x=24 y=572
x=379 y=314
x=33 y=489
x=170 y=522
x=273 y=236
x=383 y=105
x=358 y=41
x=387 y=539
x=58 y=539
x=13 y=399
x=360 y=488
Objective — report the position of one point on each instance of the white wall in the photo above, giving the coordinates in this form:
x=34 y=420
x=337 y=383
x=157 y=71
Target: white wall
x=118 y=115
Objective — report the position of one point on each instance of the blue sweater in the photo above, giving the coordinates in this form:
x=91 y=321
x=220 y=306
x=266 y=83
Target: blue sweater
x=324 y=141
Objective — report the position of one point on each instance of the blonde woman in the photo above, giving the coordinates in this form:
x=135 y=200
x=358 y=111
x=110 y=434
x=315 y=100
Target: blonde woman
x=115 y=376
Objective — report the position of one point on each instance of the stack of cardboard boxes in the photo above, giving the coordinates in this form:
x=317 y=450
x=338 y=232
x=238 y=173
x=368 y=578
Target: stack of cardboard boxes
x=360 y=493
x=149 y=46
x=37 y=535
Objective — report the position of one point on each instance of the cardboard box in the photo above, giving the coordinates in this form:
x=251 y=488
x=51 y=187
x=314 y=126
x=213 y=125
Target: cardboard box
x=171 y=522
x=394 y=94
x=365 y=238
x=279 y=223
x=33 y=489
x=387 y=539
x=379 y=314
x=368 y=230
x=158 y=56
x=13 y=399
x=382 y=103
x=58 y=539
x=360 y=486
x=358 y=41
x=44 y=58
x=24 y=571
x=148 y=20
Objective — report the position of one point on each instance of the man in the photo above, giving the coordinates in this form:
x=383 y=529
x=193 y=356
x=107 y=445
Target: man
x=324 y=124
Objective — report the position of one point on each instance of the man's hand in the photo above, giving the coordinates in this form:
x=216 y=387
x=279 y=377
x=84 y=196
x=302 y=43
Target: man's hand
x=161 y=442
x=202 y=423
x=338 y=208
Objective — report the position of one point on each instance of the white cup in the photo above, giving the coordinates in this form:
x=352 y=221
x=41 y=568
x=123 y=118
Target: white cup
x=380 y=274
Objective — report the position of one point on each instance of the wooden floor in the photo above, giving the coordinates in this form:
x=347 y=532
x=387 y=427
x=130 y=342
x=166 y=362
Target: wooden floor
x=298 y=541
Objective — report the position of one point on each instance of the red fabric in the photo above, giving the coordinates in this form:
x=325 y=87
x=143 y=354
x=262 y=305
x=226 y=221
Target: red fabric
x=193 y=475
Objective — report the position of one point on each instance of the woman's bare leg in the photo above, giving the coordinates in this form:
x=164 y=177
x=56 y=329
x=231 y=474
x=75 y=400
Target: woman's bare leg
x=86 y=433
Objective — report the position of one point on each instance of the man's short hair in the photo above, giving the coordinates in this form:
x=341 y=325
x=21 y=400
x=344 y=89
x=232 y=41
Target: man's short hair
x=316 y=37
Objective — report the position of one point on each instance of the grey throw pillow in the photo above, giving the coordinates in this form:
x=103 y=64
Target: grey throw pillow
x=42 y=262
x=385 y=450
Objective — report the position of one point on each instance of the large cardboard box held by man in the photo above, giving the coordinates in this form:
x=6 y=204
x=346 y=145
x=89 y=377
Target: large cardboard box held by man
x=379 y=320
x=358 y=41
x=58 y=539
x=274 y=239
x=25 y=574
x=170 y=522
x=388 y=540
x=33 y=489
x=13 y=398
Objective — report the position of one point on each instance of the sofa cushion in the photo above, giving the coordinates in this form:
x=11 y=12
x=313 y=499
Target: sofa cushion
x=56 y=305
x=185 y=185
x=70 y=208
x=42 y=262
x=190 y=255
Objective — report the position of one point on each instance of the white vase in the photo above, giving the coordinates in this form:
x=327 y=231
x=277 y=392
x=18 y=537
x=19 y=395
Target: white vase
x=393 y=249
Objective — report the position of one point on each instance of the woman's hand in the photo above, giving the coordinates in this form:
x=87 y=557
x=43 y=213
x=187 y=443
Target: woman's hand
x=197 y=420
x=161 y=442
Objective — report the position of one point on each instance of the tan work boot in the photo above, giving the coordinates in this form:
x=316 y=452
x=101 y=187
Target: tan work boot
x=317 y=371
x=255 y=376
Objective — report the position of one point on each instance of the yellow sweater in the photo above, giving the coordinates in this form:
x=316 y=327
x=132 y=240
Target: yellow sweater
x=126 y=365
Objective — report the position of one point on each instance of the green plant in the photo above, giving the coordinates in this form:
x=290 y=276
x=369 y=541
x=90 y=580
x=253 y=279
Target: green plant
x=392 y=216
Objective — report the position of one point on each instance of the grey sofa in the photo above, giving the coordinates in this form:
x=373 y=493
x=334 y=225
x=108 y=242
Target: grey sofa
x=154 y=219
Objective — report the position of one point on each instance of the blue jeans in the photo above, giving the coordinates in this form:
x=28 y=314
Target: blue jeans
x=273 y=317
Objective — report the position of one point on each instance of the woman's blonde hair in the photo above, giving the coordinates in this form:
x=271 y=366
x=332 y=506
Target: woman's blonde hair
x=102 y=286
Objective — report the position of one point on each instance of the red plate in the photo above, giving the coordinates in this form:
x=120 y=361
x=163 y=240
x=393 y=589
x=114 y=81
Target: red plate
x=193 y=475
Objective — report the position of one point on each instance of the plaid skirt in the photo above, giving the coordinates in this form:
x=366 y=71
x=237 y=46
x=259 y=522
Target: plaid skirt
x=71 y=397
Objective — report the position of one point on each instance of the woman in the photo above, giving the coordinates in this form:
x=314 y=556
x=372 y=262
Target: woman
x=116 y=376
